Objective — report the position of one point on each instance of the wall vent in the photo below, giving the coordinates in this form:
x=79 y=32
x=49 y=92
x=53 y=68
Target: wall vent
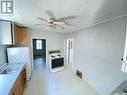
x=79 y=74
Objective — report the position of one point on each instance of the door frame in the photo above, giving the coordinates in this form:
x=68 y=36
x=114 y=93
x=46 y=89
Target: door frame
x=32 y=51
x=67 y=55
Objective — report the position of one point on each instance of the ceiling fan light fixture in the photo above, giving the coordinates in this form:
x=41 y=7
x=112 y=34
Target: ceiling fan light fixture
x=51 y=27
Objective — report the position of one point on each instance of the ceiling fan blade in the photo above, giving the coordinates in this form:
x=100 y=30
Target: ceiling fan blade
x=39 y=24
x=50 y=14
x=42 y=19
x=62 y=23
x=59 y=23
x=66 y=18
x=60 y=26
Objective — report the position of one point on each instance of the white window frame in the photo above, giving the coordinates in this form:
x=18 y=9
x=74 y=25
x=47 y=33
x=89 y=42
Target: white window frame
x=39 y=44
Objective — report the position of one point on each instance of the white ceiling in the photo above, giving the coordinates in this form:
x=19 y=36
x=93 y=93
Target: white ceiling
x=88 y=12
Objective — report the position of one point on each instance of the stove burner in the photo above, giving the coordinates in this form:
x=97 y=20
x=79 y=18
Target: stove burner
x=59 y=55
x=52 y=56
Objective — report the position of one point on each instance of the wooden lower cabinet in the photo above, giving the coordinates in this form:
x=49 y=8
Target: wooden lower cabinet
x=19 y=85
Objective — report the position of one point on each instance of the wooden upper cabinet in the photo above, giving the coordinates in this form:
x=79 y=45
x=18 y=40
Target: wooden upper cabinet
x=20 y=35
x=11 y=33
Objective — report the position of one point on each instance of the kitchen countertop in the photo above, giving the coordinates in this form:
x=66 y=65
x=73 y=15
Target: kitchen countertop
x=7 y=80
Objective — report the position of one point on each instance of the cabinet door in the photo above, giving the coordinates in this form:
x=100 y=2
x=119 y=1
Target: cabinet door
x=23 y=35
x=20 y=36
x=19 y=85
x=5 y=32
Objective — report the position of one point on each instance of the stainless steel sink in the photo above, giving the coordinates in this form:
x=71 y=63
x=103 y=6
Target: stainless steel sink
x=9 y=69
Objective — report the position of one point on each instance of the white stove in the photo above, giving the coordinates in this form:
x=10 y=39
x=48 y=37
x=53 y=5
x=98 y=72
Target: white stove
x=56 y=61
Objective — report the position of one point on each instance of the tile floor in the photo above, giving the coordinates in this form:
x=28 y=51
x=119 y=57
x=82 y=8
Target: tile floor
x=61 y=83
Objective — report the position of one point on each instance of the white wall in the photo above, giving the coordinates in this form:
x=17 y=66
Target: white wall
x=2 y=55
x=54 y=41
x=97 y=53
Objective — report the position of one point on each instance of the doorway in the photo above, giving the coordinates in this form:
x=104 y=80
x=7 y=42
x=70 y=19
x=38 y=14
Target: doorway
x=39 y=52
x=70 y=52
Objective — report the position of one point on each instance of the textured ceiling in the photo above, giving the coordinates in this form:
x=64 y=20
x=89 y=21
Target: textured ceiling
x=87 y=12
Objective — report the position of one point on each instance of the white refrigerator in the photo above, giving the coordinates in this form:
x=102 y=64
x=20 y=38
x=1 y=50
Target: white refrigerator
x=20 y=55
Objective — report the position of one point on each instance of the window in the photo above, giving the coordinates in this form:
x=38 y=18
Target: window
x=38 y=44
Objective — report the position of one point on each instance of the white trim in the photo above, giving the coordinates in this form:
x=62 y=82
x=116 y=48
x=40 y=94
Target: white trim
x=67 y=52
x=124 y=61
x=68 y=64
x=32 y=51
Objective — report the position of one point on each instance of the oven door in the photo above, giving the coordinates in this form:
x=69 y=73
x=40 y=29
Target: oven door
x=58 y=62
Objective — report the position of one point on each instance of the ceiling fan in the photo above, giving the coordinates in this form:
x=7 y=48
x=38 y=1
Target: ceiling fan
x=52 y=23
